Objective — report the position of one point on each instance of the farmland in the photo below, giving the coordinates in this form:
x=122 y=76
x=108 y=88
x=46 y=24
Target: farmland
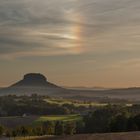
x=76 y=103
x=36 y=120
x=64 y=118
x=12 y=122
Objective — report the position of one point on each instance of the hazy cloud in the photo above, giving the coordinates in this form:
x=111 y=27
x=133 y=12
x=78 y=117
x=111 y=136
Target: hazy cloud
x=72 y=26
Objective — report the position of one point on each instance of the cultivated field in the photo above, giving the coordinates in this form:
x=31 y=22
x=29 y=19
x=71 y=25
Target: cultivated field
x=12 y=122
x=64 y=118
x=73 y=102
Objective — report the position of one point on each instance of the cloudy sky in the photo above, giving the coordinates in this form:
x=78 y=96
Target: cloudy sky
x=72 y=42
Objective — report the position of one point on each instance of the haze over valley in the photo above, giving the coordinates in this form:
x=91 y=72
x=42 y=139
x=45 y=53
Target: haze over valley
x=35 y=83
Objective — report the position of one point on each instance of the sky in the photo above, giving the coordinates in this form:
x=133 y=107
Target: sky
x=91 y=43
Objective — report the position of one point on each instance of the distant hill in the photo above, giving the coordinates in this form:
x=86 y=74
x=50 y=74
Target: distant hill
x=32 y=83
x=88 y=88
x=34 y=80
x=131 y=94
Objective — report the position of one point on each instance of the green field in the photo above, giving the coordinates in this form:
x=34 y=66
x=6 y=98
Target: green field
x=64 y=118
x=12 y=122
x=75 y=103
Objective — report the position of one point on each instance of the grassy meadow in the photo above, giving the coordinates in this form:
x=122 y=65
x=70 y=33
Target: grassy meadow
x=36 y=120
x=64 y=118
x=73 y=102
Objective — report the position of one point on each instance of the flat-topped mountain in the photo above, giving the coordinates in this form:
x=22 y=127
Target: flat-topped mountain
x=34 y=80
x=33 y=83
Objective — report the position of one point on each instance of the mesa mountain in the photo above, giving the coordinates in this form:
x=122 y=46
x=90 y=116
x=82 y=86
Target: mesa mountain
x=34 y=80
x=33 y=83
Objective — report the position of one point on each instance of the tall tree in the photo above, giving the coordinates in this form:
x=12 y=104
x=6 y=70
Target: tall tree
x=70 y=128
x=59 y=128
x=1 y=130
x=50 y=127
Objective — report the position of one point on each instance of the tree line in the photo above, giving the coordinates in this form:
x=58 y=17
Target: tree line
x=112 y=119
x=46 y=128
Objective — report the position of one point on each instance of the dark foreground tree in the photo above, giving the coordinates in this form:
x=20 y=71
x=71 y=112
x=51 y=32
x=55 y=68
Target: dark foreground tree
x=70 y=128
x=8 y=133
x=49 y=126
x=37 y=131
x=119 y=123
x=80 y=127
x=23 y=131
x=14 y=134
x=1 y=130
x=59 y=128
